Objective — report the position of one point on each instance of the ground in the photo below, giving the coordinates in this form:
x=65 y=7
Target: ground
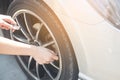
x=9 y=69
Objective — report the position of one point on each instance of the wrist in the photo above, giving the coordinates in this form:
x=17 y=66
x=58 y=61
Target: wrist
x=33 y=50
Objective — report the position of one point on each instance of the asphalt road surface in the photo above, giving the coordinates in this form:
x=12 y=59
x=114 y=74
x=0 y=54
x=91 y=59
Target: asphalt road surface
x=9 y=69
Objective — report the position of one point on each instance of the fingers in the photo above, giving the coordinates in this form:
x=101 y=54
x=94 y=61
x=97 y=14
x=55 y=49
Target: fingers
x=54 y=55
x=44 y=61
x=49 y=60
x=5 y=25
x=43 y=55
x=50 y=57
x=9 y=20
x=6 y=22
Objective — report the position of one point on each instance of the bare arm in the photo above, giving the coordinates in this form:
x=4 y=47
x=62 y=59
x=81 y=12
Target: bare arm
x=40 y=54
x=14 y=48
x=7 y=46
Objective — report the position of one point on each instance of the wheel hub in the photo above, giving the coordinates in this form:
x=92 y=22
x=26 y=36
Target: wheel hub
x=36 y=43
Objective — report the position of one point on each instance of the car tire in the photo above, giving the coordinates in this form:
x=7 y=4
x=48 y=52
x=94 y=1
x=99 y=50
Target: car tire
x=67 y=61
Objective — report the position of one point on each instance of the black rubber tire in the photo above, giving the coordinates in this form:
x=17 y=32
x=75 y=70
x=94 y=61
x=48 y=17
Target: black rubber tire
x=69 y=68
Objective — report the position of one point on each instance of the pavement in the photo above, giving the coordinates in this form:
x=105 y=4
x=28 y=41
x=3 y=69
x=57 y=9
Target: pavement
x=9 y=68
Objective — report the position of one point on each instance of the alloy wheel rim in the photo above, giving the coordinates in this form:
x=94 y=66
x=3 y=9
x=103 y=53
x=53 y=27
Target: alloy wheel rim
x=33 y=34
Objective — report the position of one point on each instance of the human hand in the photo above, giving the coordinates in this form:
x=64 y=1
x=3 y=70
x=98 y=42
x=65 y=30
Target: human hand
x=43 y=55
x=6 y=22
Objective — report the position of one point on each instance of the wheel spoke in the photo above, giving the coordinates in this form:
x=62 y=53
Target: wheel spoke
x=37 y=70
x=54 y=66
x=23 y=31
x=48 y=44
x=29 y=62
x=48 y=72
x=20 y=39
x=27 y=26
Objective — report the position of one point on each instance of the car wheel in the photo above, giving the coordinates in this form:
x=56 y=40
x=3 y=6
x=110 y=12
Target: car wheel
x=40 y=27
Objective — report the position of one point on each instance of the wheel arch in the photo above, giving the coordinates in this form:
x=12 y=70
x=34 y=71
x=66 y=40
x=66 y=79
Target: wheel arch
x=68 y=28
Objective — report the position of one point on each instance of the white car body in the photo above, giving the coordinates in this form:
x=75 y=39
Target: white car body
x=95 y=41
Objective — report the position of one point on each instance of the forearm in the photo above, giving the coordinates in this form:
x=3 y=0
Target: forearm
x=14 y=48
